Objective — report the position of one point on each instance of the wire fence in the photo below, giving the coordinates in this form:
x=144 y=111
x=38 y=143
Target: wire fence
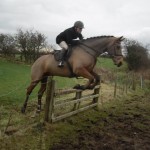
x=122 y=84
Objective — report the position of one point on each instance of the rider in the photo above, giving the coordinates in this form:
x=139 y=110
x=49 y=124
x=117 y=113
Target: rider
x=68 y=37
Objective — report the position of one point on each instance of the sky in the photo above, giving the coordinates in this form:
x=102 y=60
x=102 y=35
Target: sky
x=128 y=18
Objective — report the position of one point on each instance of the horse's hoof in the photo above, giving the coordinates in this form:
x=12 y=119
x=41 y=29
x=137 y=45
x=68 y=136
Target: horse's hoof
x=77 y=86
x=38 y=111
x=23 y=110
x=35 y=114
x=82 y=87
x=90 y=88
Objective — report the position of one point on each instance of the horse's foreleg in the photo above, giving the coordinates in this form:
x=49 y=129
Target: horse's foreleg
x=86 y=74
x=97 y=80
x=29 y=91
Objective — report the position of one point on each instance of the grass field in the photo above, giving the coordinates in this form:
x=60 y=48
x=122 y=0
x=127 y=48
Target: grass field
x=13 y=81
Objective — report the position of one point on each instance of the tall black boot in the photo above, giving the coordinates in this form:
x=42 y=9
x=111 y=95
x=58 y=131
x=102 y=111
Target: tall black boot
x=63 y=54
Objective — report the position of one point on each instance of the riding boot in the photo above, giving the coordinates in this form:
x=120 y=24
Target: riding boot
x=63 y=54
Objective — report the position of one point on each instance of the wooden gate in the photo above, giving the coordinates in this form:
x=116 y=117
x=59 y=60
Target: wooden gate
x=80 y=96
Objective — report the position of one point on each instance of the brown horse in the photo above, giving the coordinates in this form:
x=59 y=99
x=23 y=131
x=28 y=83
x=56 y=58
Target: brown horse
x=81 y=61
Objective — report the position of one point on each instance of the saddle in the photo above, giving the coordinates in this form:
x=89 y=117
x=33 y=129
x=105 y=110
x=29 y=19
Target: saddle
x=58 y=54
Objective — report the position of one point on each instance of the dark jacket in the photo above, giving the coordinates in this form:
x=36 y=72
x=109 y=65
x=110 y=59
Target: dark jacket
x=69 y=36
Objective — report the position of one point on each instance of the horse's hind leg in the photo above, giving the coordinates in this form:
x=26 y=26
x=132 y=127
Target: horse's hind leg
x=29 y=90
x=40 y=92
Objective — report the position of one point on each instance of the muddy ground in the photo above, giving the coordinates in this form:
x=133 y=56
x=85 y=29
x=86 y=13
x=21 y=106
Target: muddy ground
x=123 y=125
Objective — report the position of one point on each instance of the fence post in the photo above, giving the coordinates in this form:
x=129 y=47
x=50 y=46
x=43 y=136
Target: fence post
x=78 y=96
x=141 y=79
x=49 y=100
x=123 y=87
x=97 y=91
x=115 y=88
x=126 y=84
x=133 y=82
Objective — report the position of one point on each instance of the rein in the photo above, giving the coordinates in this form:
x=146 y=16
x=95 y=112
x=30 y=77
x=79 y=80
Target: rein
x=91 y=49
x=97 y=54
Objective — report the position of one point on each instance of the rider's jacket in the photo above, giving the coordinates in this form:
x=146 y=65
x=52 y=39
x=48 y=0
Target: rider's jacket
x=69 y=36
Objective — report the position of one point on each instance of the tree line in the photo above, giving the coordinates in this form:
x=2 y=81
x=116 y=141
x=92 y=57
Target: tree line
x=137 y=55
x=31 y=44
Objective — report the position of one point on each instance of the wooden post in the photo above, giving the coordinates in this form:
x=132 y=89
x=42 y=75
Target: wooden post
x=141 y=80
x=115 y=88
x=126 y=84
x=123 y=86
x=49 y=100
x=133 y=82
x=97 y=91
x=78 y=96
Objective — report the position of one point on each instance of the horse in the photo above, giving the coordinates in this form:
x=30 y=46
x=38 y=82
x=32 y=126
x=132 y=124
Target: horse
x=80 y=63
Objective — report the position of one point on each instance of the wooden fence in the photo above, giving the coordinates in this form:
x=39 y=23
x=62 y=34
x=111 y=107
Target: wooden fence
x=79 y=99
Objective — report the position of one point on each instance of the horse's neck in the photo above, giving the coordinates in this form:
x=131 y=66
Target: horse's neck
x=99 y=46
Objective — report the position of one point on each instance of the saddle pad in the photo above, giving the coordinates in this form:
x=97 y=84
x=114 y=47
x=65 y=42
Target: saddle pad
x=57 y=55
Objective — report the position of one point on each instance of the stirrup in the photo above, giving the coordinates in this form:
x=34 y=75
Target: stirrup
x=61 y=64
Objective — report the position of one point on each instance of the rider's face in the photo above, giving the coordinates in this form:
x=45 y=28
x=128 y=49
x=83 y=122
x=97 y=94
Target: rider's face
x=79 y=30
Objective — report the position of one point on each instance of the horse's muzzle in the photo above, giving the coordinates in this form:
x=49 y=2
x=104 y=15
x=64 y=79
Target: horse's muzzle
x=120 y=64
x=118 y=60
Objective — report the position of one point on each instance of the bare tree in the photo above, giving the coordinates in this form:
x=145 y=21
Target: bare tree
x=7 y=45
x=137 y=55
x=30 y=43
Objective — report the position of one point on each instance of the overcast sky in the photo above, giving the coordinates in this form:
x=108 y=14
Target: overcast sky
x=129 y=18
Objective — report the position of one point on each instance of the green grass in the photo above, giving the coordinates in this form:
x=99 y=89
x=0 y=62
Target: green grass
x=107 y=63
x=13 y=81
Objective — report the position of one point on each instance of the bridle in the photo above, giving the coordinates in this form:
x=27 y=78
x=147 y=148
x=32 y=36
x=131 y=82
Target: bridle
x=104 y=50
x=115 y=52
x=96 y=51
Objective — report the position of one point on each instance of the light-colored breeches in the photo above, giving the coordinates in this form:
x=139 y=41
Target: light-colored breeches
x=63 y=45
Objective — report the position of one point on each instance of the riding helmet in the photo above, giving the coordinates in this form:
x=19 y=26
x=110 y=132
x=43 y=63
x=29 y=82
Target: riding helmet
x=79 y=24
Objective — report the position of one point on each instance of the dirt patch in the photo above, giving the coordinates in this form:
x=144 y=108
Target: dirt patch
x=120 y=126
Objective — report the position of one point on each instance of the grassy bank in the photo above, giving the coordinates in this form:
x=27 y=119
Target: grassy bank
x=119 y=124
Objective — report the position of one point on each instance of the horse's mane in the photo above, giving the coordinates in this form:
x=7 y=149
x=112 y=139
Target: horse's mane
x=98 y=37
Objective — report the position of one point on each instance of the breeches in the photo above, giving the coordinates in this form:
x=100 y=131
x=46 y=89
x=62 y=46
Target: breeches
x=63 y=45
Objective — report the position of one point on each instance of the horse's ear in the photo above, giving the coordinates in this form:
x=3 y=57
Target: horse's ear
x=121 y=38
